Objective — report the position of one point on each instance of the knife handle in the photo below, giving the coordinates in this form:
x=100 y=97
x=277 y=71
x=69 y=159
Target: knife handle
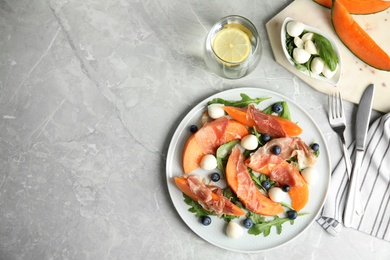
x=350 y=209
x=348 y=166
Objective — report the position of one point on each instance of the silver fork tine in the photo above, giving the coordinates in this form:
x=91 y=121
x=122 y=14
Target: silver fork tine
x=341 y=110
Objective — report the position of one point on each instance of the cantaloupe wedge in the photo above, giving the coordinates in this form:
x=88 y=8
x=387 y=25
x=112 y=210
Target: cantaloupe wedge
x=193 y=152
x=299 y=196
x=229 y=207
x=235 y=131
x=192 y=155
x=356 y=39
x=240 y=115
x=267 y=206
x=359 y=6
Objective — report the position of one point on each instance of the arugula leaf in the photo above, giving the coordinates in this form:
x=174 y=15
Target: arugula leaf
x=326 y=51
x=290 y=44
x=195 y=207
x=222 y=155
x=245 y=101
x=262 y=226
x=260 y=179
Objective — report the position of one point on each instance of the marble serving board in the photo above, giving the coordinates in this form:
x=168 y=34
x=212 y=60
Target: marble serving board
x=355 y=74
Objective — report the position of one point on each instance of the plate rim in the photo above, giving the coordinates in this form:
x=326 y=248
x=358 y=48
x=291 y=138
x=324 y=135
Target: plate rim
x=199 y=107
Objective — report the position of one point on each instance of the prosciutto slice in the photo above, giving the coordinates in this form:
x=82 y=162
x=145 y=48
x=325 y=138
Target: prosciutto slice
x=246 y=190
x=209 y=197
x=265 y=123
x=290 y=146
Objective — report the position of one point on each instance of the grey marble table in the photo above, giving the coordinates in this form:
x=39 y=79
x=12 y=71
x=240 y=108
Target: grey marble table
x=90 y=95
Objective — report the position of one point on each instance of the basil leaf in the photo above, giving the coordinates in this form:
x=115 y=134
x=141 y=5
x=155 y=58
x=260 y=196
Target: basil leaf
x=326 y=51
x=286 y=111
x=223 y=153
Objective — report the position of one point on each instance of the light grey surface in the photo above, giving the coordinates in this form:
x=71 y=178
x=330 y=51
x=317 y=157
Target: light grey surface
x=90 y=95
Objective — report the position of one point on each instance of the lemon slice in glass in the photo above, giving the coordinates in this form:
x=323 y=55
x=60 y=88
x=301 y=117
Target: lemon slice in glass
x=232 y=45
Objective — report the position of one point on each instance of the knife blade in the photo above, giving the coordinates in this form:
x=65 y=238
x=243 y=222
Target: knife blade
x=362 y=121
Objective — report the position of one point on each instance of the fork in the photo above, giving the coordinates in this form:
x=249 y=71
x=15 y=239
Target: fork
x=338 y=123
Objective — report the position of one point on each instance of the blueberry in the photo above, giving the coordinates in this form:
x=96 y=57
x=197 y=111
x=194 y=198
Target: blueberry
x=193 y=128
x=286 y=188
x=266 y=184
x=292 y=214
x=277 y=108
x=265 y=138
x=276 y=150
x=215 y=176
x=315 y=147
x=248 y=223
x=206 y=220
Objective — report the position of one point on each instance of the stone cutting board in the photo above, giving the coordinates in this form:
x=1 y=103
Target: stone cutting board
x=355 y=74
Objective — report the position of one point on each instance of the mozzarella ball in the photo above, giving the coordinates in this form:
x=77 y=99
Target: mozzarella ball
x=310 y=175
x=234 y=230
x=215 y=110
x=310 y=47
x=249 y=142
x=276 y=194
x=294 y=28
x=300 y=55
x=208 y=162
x=298 y=42
x=327 y=72
x=317 y=65
x=307 y=37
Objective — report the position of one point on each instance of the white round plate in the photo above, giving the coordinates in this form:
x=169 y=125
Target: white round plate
x=215 y=232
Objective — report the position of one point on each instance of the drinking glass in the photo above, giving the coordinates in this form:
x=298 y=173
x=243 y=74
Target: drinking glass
x=228 y=69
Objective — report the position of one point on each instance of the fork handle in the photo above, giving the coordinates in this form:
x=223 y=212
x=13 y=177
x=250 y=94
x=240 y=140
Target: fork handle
x=347 y=159
x=350 y=208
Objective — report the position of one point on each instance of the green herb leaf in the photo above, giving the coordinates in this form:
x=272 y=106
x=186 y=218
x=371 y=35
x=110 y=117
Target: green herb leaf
x=228 y=193
x=285 y=113
x=222 y=155
x=262 y=226
x=195 y=207
x=326 y=51
x=244 y=102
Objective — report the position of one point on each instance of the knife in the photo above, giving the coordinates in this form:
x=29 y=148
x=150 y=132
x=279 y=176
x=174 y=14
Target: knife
x=362 y=121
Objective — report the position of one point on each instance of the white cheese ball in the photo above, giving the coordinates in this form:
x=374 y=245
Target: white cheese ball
x=317 y=65
x=276 y=194
x=310 y=47
x=215 y=110
x=208 y=162
x=298 y=42
x=310 y=175
x=294 y=28
x=249 y=142
x=300 y=55
x=327 y=72
x=234 y=230
x=307 y=37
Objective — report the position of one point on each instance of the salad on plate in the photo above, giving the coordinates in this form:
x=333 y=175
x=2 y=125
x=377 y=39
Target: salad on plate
x=247 y=166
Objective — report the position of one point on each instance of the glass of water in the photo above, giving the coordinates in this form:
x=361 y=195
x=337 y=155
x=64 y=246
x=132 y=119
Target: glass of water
x=232 y=48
